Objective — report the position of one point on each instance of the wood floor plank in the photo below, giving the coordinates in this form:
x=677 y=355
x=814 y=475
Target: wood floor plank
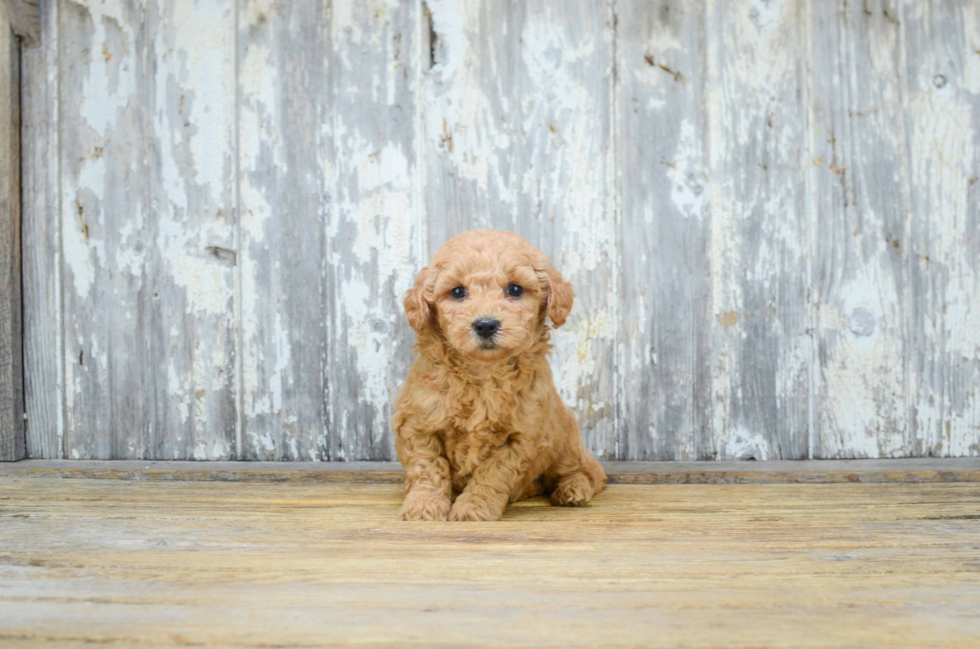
x=711 y=472
x=256 y=564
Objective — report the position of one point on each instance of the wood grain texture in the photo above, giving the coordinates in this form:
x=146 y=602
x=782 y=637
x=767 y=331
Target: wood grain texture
x=98 y=562
x=188 y=294
x=42 y=255
x=860 y=201
x=665 y=336
x=146 y=175
x=759 y=244
x=768 y=210
x=942 y=98
x=12 y=446
x=284 y=201
x=708 y=472
x=331 y=223
x=103 y=198
x=376 y=230
x=518 y=137
x=712 y=132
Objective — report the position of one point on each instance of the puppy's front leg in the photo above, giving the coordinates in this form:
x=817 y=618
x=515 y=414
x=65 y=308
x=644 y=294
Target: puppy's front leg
x=427 y=477
x=488 y=491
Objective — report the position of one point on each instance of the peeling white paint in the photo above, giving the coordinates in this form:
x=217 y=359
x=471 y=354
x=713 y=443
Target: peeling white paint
x=106 y=92
x=741 y=444
x=686 y=182
x=574 y=361
x=694 y=247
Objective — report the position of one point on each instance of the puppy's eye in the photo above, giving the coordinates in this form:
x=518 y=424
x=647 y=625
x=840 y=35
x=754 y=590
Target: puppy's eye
x=514 y=290
x=458 y=293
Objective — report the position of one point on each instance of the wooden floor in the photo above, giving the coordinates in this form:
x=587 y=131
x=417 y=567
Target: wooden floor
x=260 y=564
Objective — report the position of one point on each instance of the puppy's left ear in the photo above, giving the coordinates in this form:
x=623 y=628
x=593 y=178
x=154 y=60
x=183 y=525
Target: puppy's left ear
x=560 y=296
x=416 y=304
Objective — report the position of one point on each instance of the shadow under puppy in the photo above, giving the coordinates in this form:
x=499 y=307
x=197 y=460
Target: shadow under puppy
x=478 y=422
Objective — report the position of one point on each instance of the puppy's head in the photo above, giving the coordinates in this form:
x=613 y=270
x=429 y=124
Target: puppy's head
x=486 y=294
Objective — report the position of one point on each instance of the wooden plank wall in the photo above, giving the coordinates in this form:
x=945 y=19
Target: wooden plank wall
x=769 y=211
x=12 y=445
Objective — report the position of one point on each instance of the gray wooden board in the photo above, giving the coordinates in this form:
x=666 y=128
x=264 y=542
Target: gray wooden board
x=332 y=226
x=284 y=195
x=42 y=258
x=664 y=283
x=708 y=472
x=102 y=198
x=188 y=315
x=759 y=357
x=147 y=160
x=715 y=350
x=768 y=210
x=859 y=155
x=376 y=221
x=12 y=445
x=942 y=99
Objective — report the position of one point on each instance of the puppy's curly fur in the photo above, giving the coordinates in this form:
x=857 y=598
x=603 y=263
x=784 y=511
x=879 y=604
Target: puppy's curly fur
x=478 y=422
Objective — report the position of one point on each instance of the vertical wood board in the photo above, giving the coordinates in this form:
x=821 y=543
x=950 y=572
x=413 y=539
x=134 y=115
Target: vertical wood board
x=188 y=295
x=283 y=195
x=42 y=258
x=661 y=187
x=102 y=203
x=147 y=115
x=12 y=446
x=860 y=194
x=376 y=228
x=759 y=243
x=941 y=62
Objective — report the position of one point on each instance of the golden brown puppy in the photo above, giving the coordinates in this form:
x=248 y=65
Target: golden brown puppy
x=478 y=422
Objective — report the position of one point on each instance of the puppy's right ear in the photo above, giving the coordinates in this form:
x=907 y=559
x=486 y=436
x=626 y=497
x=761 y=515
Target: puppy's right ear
x=416 y=305
x=560 y=296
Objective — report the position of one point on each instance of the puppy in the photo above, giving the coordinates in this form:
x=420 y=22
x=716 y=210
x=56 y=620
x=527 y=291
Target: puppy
x=478 y=422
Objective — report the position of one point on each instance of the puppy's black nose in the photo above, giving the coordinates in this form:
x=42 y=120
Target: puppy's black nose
x=486 y=327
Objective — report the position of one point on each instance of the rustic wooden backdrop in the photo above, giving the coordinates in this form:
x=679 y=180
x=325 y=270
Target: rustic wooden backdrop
x=769 y=210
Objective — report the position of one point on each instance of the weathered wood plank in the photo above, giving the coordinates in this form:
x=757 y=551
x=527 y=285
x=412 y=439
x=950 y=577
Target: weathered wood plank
x=190 y=231
x=327 y=251
x=376 y=229
x=111 y=563
x=285 y=154
x=860 y=199
x=518 y=137
x=42 y=258
x=101 y=66
x=941 y=104
x=24 y=18
x=710 y=472
x=12 y=445
x=760 y=235
x=146 y=212
x=664 y=290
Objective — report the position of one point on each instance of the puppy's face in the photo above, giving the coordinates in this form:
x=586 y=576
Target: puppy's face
x=487 y=305
x=486 y=294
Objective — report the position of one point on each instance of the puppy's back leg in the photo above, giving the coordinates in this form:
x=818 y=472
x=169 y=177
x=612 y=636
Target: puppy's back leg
x=578 y=477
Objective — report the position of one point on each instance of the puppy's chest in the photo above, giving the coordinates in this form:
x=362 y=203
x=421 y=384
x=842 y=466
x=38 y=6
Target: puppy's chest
x=478 y=422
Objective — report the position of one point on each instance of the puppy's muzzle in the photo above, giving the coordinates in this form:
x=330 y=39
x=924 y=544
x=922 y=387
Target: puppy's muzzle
x=485 y=328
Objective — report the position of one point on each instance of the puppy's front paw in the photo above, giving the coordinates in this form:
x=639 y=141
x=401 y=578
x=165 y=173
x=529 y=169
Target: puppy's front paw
x=473 y=508
x=424 y=506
